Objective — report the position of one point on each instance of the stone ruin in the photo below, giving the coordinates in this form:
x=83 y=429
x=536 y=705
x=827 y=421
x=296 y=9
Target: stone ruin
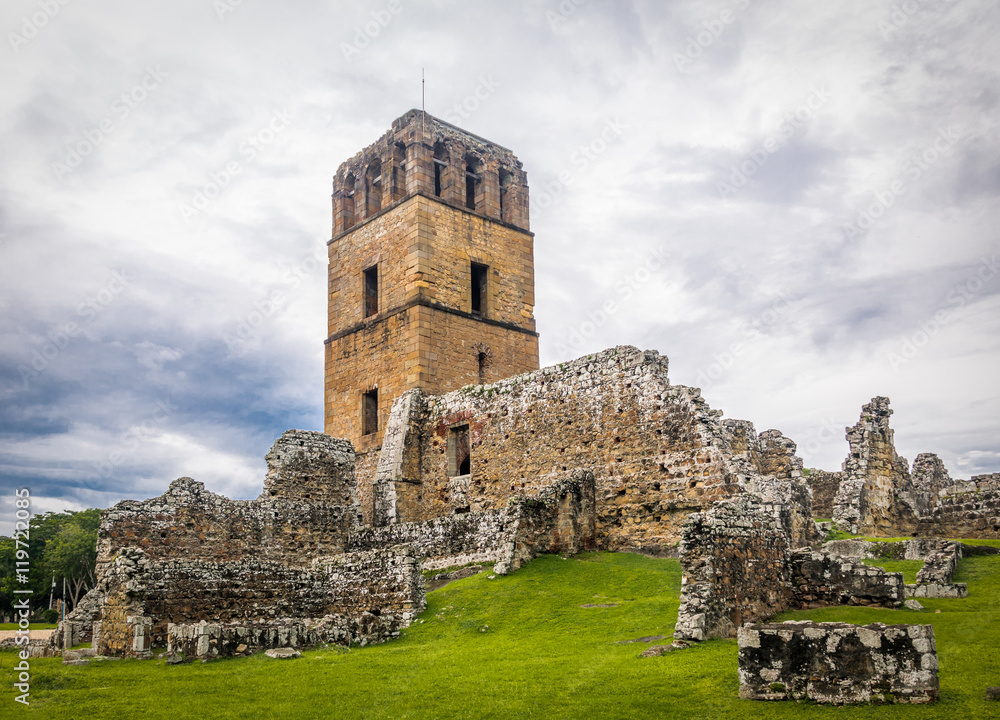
x=837 y=663
x=599 y=453
x=876 y=493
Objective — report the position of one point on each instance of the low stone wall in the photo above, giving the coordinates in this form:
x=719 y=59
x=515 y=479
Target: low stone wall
x=78 y=626
x=308 y=507
x=147 y=596
x=971 y=514
x=838 y=663
x=559 y=518
x=819 y=579
x=915 y=549
x=735 y=560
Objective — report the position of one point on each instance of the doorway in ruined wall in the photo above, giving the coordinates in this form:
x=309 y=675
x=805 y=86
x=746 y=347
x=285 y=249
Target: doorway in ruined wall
x=459 y=451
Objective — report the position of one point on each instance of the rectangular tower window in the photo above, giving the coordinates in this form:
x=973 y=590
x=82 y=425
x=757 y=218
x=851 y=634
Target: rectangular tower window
x=479 y=274
x=459 y=451
x=369 y=412
x=371 y=291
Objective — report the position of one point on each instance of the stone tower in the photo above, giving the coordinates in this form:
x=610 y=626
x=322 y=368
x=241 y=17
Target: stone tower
x=431 y=274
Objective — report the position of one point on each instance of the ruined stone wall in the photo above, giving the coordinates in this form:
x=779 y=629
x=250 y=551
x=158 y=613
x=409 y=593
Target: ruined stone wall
x=559 y=519
x=877 y=495
x=820 y=579
x=837 y=663
x=735 y=560
x=824 y=486
x=385 y=583
x=657 y=451
x=971 y=514
x=308 y=508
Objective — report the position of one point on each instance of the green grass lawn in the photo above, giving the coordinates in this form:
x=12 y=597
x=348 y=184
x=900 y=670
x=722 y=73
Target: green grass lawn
x=543 y=656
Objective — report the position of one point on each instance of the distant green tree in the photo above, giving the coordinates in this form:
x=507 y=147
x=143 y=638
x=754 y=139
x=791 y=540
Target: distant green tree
x=60 y=545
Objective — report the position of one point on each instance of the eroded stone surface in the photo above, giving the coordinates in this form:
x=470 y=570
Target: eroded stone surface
x=838 y=663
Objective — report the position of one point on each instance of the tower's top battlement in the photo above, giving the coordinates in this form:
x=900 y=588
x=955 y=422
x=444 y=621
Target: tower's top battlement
x=424 y=155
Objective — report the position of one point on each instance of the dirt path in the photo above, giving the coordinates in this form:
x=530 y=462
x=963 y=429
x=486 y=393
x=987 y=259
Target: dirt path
x=33 y=634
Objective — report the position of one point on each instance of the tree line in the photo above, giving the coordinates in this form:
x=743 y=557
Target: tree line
x=62 y=548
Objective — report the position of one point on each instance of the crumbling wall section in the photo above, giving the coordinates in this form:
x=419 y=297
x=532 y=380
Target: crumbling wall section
x=560 y=518
x=820 y=579
x=837 y=663
x=877 y=495
x=308 y=508
x=824 y=486
x=735 y=561
x=657 y=451
x=967 y=510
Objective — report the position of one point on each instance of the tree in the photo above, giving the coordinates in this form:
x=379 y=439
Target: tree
x=60 y=544
x=72 y=552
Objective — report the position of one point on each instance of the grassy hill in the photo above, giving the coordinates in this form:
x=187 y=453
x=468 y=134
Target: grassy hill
x=522 y=646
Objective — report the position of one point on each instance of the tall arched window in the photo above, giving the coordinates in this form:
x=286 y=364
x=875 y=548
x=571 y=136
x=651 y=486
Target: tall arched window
x=472 y=181
x=347 y=201
x=440 y=165
x=373 y=188
x=506 y=180
x=399 y=171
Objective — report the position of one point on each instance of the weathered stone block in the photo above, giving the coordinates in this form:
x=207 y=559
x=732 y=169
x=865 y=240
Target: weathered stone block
x=838 y=663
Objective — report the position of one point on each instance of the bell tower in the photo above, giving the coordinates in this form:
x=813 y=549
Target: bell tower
x=431 y=276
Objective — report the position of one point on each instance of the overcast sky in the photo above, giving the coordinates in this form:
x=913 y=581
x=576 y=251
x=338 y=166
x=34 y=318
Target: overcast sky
x=795 y=202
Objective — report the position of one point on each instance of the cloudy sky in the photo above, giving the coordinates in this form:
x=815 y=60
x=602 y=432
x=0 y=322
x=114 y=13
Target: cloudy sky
x=796 y=202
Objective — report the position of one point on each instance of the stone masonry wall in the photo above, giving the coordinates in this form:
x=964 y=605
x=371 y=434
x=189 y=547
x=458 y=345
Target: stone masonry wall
x=383 y=583
x=837 y=663
x=308 y=508
x=735 y=560
x=970 y=510
x=824 y=486
x=877 y=495
x=560 y=519
x=820 y=579
x=657 y=451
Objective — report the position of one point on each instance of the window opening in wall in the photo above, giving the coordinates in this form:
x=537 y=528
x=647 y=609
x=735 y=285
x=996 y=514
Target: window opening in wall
x=440 y=163
x=369 y=412
x=399 y=169
x=479 y=275
x=349 y=189
x=371 y=291
x=373 y=183
x=472 y=179
x=459 y=451
x=506 y=178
